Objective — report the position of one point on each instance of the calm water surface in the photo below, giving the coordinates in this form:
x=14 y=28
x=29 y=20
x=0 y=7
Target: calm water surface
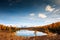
x=29 y=33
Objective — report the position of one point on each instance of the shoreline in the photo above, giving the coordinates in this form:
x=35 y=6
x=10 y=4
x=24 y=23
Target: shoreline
x=12 y=36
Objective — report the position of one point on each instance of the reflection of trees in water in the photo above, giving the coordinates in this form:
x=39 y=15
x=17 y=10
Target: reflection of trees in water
x=35 y=32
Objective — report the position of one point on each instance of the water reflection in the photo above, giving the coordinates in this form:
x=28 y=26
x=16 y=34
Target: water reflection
x=29 y=33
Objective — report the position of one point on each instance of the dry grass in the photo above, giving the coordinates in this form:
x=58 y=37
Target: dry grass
x=12 y=36
x=9 y=36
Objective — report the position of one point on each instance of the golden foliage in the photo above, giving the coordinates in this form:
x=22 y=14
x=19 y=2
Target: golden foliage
x=53 y=28
x=8 y=28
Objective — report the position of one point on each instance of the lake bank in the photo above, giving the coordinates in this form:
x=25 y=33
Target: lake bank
x=12 y=36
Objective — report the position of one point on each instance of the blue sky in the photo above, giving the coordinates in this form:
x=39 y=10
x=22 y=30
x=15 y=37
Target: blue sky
x=29 y=12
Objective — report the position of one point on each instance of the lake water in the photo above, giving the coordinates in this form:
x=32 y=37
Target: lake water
x=29 y=33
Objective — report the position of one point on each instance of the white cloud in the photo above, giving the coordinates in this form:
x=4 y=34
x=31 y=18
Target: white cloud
x=58 y=19
x=57 y=2
x=32 y=18
x=49 y=8
x=57 y=11
x=52 y=20
x=42 y=15
x=32 y=14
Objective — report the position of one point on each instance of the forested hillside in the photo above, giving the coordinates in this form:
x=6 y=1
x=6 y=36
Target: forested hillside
x=53 y=28
x=8 y=28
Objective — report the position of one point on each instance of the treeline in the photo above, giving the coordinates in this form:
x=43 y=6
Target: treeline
x=53 y=28
x=8 y=28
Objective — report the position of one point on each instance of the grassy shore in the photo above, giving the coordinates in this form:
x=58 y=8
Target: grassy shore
x=9 y=36
x=12 y=36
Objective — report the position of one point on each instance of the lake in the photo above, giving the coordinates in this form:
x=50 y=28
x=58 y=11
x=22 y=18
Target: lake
x=29 y=33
